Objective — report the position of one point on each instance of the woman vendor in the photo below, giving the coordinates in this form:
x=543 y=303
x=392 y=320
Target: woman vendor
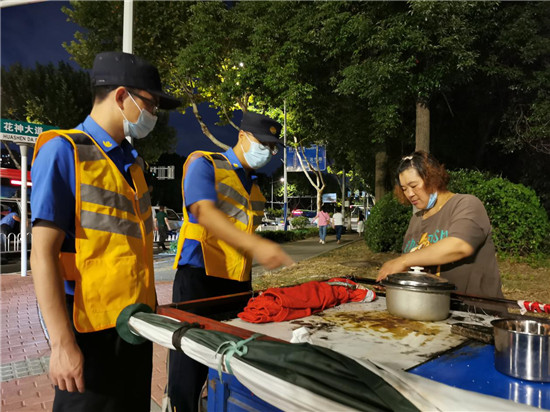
x=454 y=226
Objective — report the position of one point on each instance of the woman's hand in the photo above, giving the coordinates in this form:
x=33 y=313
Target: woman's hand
x=396 y=265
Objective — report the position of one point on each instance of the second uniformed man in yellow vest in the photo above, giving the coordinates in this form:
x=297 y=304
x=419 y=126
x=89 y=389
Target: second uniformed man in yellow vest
x=222 y=208
x=92 y=251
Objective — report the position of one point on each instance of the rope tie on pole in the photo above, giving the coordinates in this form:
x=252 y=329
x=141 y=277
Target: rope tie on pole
x=228 y=349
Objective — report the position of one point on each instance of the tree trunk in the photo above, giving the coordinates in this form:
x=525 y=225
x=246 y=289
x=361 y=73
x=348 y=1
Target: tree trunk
x=422 y=126
x=205 y=129
x=381 y=160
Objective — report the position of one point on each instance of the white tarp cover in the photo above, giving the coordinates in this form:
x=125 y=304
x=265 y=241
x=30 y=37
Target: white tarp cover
x=423 y=393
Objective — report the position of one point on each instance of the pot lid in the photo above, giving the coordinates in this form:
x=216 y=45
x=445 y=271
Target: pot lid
x=421 y=280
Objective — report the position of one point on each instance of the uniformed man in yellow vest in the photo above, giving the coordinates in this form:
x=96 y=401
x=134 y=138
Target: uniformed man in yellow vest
x=92 y=251
x=222 y=207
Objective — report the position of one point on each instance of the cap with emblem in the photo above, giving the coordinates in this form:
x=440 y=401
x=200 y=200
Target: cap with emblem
x=264 y=128
x=128 y=70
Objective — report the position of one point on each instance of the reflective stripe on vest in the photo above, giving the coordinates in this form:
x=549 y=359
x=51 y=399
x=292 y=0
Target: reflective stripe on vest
x=113 y=264
x=243 y=209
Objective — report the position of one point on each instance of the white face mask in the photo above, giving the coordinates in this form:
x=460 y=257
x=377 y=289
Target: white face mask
x=258 y=155
x=144 y=125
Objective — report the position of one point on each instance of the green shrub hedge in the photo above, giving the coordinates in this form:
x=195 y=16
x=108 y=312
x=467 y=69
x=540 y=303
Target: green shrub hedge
x=387 y=224
x=280 y=236
x=300 y=222
x=520 y=223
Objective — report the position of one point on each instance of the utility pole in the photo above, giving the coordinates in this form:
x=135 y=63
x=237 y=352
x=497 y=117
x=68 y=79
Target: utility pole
x=23 y=229
x=343 y=192
x=271 y=192
x=284 y=171
x=128 y=34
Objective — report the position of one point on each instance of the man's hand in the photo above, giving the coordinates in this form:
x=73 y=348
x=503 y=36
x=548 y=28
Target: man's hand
x=67 y=367
x=66 y=360
x=270 y=255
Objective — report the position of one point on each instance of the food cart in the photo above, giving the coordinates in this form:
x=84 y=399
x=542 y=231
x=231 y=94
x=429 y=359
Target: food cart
x=414 y=364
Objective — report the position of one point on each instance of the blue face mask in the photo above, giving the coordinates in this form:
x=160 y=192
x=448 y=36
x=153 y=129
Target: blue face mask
x=431 y=201
x=258 y=155
x=144 y=125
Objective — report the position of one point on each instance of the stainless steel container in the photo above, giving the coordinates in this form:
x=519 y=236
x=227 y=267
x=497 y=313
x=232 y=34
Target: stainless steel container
x=522 y=348
x=418 y=296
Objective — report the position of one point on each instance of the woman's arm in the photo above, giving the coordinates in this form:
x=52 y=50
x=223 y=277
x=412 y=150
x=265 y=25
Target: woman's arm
x=448 y=250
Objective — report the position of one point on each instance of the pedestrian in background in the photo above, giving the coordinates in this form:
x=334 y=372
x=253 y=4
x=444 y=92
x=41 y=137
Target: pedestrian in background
x=223 y=206
x=161 y=225
x=8 y=225
x=338 y=224
x=93 y=229
x=323 y=219
x=361 y=224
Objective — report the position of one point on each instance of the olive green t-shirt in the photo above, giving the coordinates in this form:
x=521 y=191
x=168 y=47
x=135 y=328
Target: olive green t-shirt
x=160 y=216
x=463 y=217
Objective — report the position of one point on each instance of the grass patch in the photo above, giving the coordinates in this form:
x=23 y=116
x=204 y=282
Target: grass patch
x=522 y=279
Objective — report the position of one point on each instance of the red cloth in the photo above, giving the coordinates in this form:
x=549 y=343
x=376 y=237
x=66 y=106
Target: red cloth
x=280 y=304
x=527 y=306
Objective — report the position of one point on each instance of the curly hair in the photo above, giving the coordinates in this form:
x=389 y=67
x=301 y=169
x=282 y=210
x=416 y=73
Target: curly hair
x=432 y=172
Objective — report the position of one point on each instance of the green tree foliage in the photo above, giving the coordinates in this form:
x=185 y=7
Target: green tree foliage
x=61 y=96
x=387 y=224
x=520 y=224
x=54 y=95
x=352 y=73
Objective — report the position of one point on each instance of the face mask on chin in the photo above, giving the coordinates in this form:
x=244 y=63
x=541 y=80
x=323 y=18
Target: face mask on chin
x=431 y=201
x=142 y=127
x=258 y=155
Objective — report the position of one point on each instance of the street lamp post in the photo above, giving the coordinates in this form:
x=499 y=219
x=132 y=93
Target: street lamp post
x=271 y=192
x=282 y=179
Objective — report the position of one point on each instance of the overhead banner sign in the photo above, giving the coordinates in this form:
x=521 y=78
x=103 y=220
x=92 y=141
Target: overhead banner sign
x=313 y=154
x=21 y=132
x=163 y=172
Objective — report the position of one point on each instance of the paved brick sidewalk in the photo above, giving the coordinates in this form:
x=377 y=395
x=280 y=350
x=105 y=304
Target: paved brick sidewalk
x=25 y=385
x=24 y=350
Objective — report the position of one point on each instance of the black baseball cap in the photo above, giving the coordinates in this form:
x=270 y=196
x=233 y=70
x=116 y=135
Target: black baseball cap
x=128 y=70
x=264 y=128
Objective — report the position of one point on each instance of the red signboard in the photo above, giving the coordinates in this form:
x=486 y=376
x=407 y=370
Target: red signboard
x=14 y=174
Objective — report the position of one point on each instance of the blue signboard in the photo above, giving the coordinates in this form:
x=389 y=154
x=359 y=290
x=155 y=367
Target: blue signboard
x=314 y=154
x=329 y=197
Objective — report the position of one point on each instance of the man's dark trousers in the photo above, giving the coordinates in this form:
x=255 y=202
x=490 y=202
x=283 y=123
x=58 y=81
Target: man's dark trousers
x=185 y=375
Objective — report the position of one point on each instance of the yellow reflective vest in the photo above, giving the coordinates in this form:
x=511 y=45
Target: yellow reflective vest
x=243 y=209
x=113 y=264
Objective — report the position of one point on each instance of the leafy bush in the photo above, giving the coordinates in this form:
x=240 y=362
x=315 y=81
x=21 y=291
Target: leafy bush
x=280 y=236
x=300 y=222
x=520 y=223
x=387 y=224
x=274 y=212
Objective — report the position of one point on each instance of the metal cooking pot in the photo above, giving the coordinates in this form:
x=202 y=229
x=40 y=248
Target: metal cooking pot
x=522 y=348
x=417 y=295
